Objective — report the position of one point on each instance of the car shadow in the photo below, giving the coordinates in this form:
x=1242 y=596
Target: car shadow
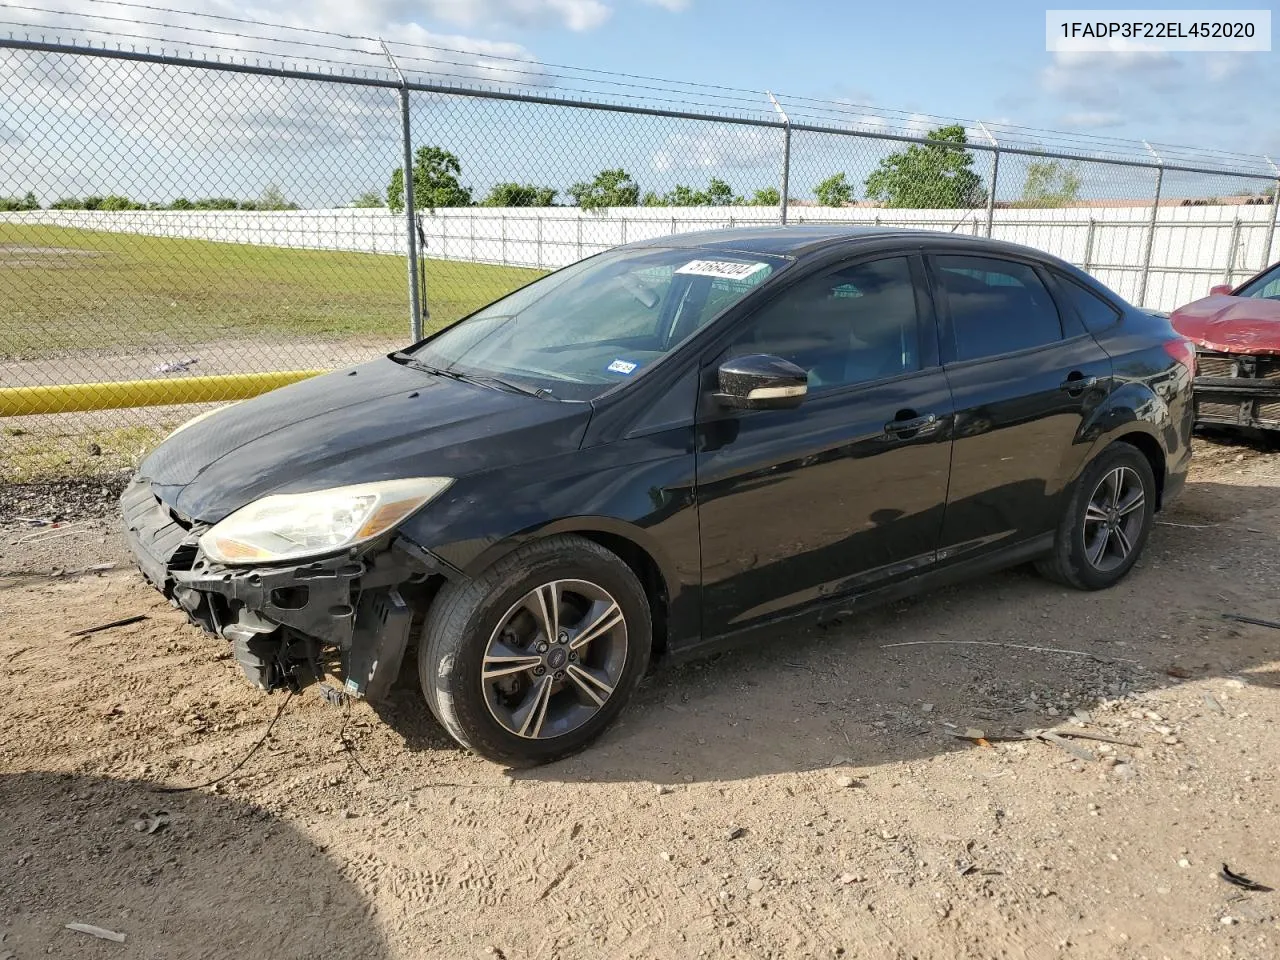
x=179 y=875
x=1002 y=653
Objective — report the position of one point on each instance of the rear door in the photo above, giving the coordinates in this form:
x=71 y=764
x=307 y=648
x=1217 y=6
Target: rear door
x=847 y=490
x=1024 y=376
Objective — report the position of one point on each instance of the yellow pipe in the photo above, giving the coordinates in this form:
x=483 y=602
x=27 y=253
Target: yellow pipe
x=75 y=397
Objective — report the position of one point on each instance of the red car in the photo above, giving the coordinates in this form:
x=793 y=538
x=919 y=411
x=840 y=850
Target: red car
x=1237 y=338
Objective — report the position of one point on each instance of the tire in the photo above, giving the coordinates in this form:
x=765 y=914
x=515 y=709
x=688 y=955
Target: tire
x=478 y=634
x=1075 y=560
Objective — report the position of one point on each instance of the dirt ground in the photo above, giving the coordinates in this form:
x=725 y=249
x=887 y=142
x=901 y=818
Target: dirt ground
x=804 y=798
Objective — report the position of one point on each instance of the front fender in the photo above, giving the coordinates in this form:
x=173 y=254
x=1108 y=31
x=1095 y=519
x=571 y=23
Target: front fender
x=639 y=489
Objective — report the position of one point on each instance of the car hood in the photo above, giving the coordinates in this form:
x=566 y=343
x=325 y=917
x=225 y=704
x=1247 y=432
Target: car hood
x=1231 y=324
x=379 y=421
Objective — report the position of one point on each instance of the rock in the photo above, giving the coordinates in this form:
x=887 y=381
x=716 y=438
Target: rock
x=733 y=833
x=94 y=450
x=1123 y=771
x=846 y=782
x=665 y=856
x=1184 y=863
x=1170 y=740
x=755 y=884
x=926 y=708
x=1227 y=921
x=663 y=789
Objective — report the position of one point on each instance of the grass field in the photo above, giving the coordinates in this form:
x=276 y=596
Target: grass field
x=63 y=289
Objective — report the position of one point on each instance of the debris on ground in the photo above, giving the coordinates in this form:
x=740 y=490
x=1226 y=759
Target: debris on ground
x=123 y=622
x=175 y=366
x=100 y=932
x=1241 y=881
x=1257 y=622
x=152 y=822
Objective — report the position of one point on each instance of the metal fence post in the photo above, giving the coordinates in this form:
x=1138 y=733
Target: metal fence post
x=1271 y=233
x=995 y=173
x=1088 y=246
x=1151 y=229
x=1233 y=245
x=1267 y=254
x=411 y=235
x=786 y=160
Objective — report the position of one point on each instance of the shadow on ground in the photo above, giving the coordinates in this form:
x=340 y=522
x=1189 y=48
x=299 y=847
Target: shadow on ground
x=221 y=878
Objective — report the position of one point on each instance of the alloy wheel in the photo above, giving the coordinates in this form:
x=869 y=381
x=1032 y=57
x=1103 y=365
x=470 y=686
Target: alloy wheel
x=1113 y=518
x=554 y=659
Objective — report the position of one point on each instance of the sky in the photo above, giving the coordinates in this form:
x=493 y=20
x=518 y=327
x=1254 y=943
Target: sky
x=901 y=65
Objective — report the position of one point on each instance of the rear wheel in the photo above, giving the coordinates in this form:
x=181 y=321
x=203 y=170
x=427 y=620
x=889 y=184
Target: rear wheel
x=1107 y=521
x=533 y=659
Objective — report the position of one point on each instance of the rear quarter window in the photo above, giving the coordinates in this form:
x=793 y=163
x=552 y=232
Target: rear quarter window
x=1096 y=314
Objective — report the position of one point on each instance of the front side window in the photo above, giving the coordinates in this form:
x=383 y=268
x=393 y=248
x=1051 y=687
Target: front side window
x=853 y=325
x=580 y=331
x=996 y=306
x=1265 y=287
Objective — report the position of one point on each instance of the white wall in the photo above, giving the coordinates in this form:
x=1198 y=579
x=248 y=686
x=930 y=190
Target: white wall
x=1191 y=249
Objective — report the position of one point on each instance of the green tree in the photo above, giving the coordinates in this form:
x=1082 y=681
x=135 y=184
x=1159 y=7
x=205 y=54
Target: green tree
x=435 y=182
x=717 y=194
x=929 y=175
x=766 y=197
x=273 y=198
x=215 y=203
x=182 y=203
x=835 y=191
x=26 y=202
x=1051 y=183
x=610 y=188
x=519 y=195
x=370 y=199
x=67 y=203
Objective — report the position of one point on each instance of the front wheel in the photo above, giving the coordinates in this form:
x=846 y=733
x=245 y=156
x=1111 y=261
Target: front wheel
x=532 y=660
x=1107 y=521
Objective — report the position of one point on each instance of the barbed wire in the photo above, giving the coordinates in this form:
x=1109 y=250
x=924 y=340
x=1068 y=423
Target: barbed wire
x=475 y=69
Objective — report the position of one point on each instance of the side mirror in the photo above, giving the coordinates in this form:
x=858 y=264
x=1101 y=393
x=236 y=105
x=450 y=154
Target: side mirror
x=1221 y=290
x=761 y=382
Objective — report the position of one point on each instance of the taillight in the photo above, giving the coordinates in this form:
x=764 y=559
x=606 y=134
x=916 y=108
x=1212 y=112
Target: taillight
x=1184 y=352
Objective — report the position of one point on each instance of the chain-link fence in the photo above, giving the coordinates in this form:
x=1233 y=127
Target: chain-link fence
x=178 y=230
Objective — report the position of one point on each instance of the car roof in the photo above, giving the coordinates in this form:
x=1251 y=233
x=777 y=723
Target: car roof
x=805 y=239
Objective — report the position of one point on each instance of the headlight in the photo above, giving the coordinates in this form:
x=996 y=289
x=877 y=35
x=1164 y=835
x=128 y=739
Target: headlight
x=198 y=417
x=296 y=525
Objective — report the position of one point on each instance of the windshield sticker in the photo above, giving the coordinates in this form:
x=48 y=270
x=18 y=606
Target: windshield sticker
x=622 y=366
x=726 y=269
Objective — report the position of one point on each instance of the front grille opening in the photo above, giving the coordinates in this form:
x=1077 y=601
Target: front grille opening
x=1219 y=411
x=1207 y=366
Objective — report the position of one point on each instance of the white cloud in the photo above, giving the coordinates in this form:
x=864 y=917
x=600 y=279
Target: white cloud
x=1096 y=78
x=675 y=6
x=717 y=148
x=1092 y=119
x=356 y=16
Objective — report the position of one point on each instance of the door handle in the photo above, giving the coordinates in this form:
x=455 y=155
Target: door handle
x=926 y=424
x=1077 y=383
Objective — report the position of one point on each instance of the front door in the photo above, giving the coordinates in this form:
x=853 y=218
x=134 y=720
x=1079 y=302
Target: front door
x=1025 y=377
x=847 y=490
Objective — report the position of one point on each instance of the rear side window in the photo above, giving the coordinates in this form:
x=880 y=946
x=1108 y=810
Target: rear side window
x=996 y=306
x=1096 y=313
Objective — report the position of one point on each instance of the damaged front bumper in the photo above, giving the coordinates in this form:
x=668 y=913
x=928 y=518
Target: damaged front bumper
x=1239 y=390
x=287 y=624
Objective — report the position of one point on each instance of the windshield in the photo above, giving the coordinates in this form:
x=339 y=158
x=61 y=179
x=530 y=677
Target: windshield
x=603 y=321
x=1265 y=287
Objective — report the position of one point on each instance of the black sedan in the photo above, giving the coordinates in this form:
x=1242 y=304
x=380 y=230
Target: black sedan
x=662 y=448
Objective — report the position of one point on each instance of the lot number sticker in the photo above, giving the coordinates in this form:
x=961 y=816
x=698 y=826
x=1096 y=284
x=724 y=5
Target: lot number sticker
x=622 y=366
x=725 y=269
